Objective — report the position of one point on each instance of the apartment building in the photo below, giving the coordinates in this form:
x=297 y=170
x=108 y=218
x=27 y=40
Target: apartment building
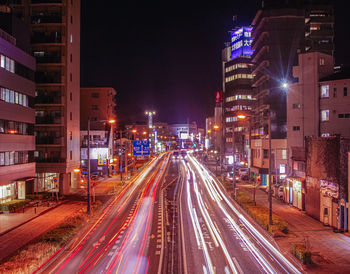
x=17 y=115
x=55 y=43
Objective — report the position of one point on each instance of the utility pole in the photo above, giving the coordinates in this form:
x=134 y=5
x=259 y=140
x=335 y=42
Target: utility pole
x=88 y=184
x=270 y=166
x=120 y=157
x=126 y=160
x=234 y=162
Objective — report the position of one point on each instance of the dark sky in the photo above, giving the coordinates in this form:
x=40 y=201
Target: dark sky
x=166 y=55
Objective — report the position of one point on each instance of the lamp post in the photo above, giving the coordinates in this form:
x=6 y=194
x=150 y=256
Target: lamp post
x=248 y=117
x=111 y=121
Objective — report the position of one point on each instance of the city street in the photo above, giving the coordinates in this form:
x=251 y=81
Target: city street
x=118 y=239
x=174 y=218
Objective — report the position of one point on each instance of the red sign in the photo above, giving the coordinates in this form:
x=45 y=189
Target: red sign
x=218 y=96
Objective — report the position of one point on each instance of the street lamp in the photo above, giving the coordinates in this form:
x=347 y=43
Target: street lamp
x=110 y=121
x=248 y=117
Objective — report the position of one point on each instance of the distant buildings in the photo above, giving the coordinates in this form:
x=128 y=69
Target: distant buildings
x=55 y=43
x=17 y=115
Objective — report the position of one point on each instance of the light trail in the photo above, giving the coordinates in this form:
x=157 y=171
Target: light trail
x=213 y=187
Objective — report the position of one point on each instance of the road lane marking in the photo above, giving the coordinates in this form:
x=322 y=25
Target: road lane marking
x=237 y=265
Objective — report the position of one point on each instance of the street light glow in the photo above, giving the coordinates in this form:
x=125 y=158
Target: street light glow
x=134 y=131
x=76 y=170
x=144 y=133
x=285 y=85
x=216 y=126
x=111 y=121
x=241 y=116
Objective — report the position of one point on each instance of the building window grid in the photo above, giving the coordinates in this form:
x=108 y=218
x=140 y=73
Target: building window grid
x=7 y=63
x=9 y=158
x=238 y=76
x=13 y=97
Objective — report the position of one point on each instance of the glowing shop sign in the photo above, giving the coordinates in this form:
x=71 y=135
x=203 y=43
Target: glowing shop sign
x=241 y=42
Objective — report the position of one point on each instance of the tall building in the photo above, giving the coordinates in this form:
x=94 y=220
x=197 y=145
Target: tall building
x=238 y=94
x=281 y=30
x=17 y=115
x=55 y=42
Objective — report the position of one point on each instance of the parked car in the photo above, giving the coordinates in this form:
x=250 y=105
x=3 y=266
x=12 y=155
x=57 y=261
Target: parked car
x=243 y=173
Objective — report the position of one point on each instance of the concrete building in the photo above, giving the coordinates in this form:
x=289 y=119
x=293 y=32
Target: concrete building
x=17 y=115
x=260 y=160
x=317 y=105
x=55 y=42
x=98 y=104
x=324 y=195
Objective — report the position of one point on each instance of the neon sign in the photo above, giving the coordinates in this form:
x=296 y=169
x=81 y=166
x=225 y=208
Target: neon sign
x=241 y=42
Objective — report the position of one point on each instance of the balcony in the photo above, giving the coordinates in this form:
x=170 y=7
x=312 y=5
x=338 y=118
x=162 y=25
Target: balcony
x=50 y=160
x=48 y=77
x=49 y=59
x=47 y=19
x=44 y=38
x=46 y=1
x=48 y=120
x=48 y=100
x=48 y=140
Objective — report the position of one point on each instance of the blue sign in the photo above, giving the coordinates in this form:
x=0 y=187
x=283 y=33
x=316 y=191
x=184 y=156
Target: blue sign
x=141 y=147
x=241 y=42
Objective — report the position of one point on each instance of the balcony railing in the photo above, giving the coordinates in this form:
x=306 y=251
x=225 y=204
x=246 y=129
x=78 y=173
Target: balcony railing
x=45 y=1
x=50 y=160
x=48 y=99
x=47 y=78
x=48 y=140
x=39 y=37
x=42 y=19
x=48 y=59
x=47 y=120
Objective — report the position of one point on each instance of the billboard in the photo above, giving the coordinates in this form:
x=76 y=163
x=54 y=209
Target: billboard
x=241 y=42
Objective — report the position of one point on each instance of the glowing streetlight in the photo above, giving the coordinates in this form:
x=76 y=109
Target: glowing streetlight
x=144 y=133
x=241 y=116
x=216 y=126
x=285 y=85
x=134 y=131
x=76 y=170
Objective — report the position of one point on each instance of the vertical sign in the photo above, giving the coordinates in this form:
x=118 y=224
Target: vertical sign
x=241 y=42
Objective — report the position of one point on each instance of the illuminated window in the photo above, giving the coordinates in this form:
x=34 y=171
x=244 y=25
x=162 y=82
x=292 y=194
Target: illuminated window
x=283 y=154
x=296 y=106
x=325 y=115
x=324 y=91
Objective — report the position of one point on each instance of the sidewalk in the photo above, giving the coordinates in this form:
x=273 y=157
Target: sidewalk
x=22 y=235
x=330 y=251
x=12 y=220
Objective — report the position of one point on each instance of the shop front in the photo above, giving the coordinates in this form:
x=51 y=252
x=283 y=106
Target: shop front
x=295 y=192
x=46 y=182
x=329 y=193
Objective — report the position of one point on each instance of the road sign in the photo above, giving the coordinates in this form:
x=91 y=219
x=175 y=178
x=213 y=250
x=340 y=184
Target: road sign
x=141 y=147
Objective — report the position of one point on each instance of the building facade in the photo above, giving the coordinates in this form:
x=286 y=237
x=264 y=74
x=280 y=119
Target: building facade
x=238 y=94
x=55 y=43
x=17 y=114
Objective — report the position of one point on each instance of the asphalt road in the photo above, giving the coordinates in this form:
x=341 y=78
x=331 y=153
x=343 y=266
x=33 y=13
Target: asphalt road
x=174 y=218
x=119 y=240
x=216 y=237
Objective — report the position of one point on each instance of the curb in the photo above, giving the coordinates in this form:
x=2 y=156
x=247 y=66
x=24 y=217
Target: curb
x=27 y=221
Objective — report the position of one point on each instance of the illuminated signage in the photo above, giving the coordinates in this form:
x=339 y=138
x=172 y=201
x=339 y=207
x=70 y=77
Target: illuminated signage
x=241 y=42
x=218 y=97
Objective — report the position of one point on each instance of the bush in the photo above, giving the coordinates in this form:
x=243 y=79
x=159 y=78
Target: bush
x=261 y=214
x=40 y=196
x=300 y=251
x=13 y=205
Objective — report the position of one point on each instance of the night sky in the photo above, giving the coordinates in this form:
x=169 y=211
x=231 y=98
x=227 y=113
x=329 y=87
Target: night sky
x=166 y=56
